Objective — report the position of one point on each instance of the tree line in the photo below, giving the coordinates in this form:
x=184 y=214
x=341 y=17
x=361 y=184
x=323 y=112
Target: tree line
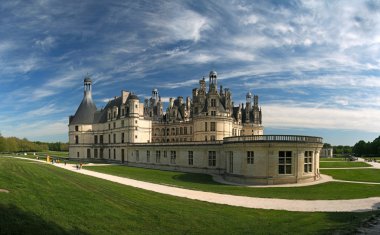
x=339 y=149
x=13 y=144
x=369 y=149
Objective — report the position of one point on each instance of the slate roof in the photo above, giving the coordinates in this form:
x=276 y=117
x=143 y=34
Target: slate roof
x=85 y=112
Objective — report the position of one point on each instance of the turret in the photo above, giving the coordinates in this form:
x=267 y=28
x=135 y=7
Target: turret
x=212 y=80
x=87 y=108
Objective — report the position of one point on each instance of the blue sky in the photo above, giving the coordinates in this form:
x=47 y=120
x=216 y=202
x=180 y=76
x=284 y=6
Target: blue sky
x=314 y=64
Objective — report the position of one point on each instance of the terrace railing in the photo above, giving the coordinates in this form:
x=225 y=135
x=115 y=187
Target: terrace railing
x=274 y=138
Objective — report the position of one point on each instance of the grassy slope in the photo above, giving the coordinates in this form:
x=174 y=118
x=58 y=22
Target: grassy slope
x=333 y=190
x=48 y=200
x=342 y=164
x=365 y=175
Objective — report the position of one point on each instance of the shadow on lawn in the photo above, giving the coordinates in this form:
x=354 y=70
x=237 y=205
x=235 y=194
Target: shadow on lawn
x=15 y=221
x=195 y=178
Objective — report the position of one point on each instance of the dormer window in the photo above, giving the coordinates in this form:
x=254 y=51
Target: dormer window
x=213 y=102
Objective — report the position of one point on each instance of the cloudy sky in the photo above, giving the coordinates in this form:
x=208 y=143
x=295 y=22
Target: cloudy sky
x=314 y=64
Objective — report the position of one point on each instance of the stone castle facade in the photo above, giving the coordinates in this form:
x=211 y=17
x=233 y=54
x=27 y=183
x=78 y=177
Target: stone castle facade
x=206 y=133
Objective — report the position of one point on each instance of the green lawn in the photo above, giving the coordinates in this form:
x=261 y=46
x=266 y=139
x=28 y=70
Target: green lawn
x=331 y=159
x=203 y=182
x=47 y=200
x=343 y=164
x=365 y=175
x=54 y=153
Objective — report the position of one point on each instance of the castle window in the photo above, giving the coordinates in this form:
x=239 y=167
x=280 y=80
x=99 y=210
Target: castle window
x=76 y=128
x=101 y=153
x=122 y=112
x=122 y=123
x=308 y=161
x=285 y=162
x=101 y=139
x=114 y=153
x=114 y=125
x=76 y=139
x=211 y=158
x=181 y=131
x=95 y=153
x=137 y=155
x=88 y=153
x=77 y=154
x=114 y=138
x=109 y=126
x=190 y=158
x=177 y=131
x=109 y=153
x=213 y=113
x=250 y=157
x=165 y=154
x=213 y=102
x=109 y=138
x=206 y=138
x=122 y=137
x=212 y=126
x=158 y=156
x=212 y=138
x=205 y=126
x=147 y=156
x=231 y=161
x=173 y=156
x=95 y=139
x=185 y=130
x=191 y=130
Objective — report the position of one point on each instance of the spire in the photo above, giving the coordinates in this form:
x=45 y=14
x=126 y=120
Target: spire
x=87 y=108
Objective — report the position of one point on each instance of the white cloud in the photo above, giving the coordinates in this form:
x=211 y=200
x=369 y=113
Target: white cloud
x=178 y=23
x=251 y=19
x=46 y=43
x=277 y=115
x=45 y=129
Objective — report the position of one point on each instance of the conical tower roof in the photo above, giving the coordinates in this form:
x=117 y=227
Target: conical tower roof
x=87 y=108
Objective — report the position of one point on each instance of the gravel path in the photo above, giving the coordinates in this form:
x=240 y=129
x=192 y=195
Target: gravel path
x=352 y=205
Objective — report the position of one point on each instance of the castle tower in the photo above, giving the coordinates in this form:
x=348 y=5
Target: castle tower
x=213 y=80
x=87 y=108
x=248 y=107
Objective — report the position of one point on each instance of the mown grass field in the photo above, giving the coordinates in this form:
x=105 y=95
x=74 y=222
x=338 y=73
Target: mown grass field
x=364 y=175
x=204 y=182
x=331 y=159
x=343 y=164
x=44 y=199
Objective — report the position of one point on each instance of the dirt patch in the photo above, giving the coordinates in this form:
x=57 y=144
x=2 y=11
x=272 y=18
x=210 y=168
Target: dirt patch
x=3 y=191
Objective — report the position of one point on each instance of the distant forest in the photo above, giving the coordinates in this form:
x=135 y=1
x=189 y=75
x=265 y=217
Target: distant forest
x=361 y=148
x=13 y=144
x=370 y=149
